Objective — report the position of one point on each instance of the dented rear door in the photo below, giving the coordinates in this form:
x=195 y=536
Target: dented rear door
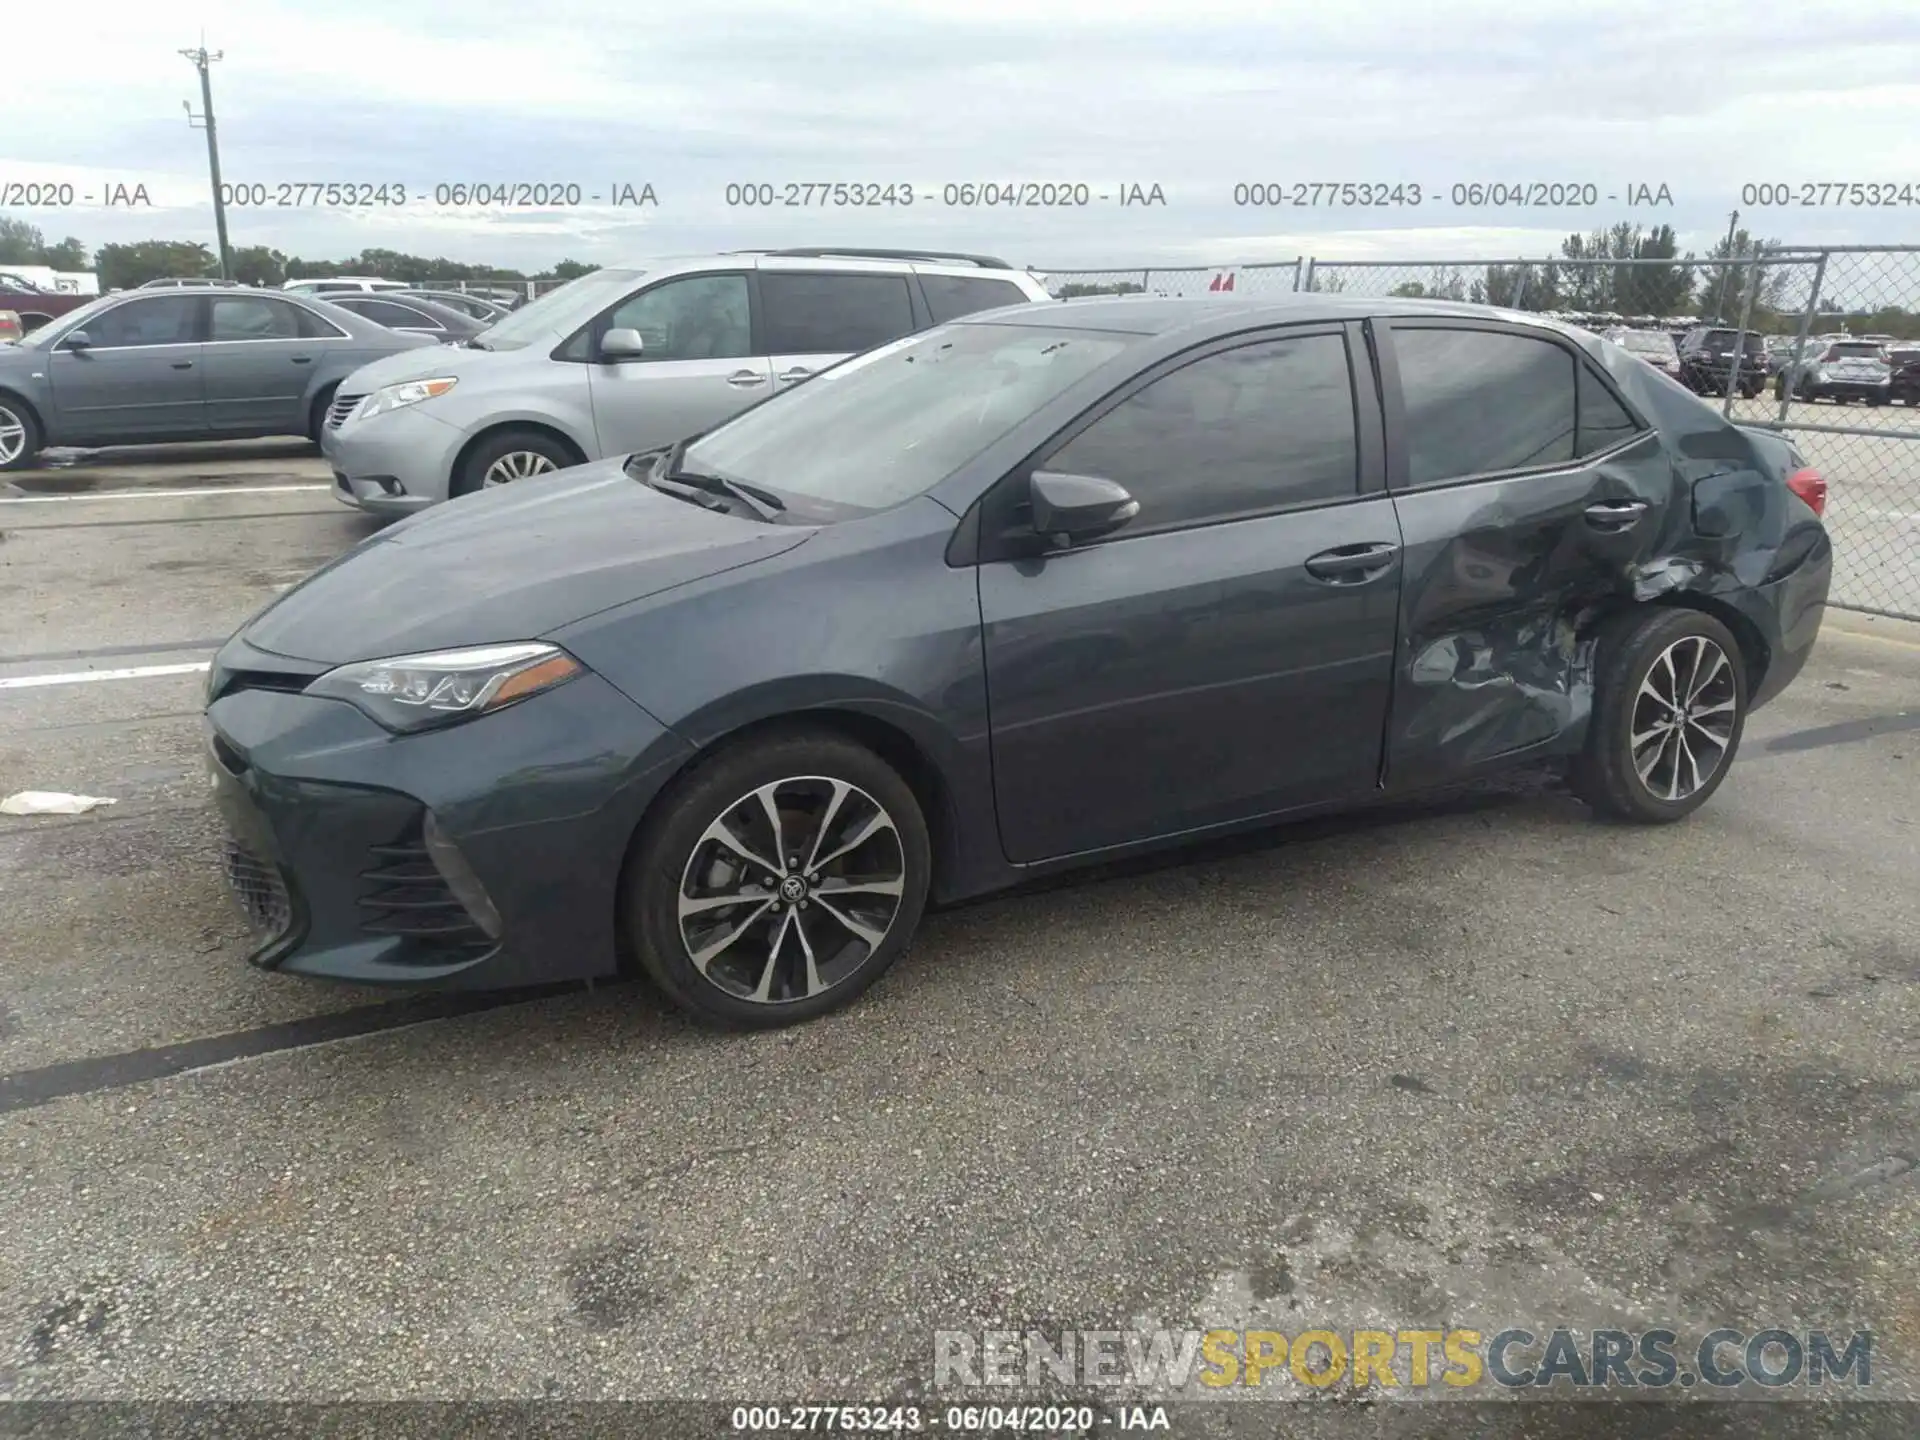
x=1528 y=491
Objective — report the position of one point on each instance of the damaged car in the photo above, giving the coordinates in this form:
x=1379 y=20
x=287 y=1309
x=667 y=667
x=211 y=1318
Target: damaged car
x=1039 y=587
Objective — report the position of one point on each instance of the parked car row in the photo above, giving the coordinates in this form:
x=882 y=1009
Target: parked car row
x=719 y=702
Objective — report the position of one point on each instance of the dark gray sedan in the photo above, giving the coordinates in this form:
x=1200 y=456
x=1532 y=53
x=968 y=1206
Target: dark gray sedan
x=207 y=363
x=1042 y=586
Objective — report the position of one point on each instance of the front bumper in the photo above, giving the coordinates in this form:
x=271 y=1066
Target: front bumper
x=392 y=464
x=325 y=813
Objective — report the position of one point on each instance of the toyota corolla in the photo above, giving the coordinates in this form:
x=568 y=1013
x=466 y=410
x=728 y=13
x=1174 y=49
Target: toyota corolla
x=1041 y=587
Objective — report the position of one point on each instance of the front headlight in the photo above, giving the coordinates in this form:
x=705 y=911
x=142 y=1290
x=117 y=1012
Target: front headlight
x=419 y=692
x=407 y=392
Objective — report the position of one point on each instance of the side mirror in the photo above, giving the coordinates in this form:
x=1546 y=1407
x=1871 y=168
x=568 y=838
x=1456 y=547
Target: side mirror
x=1079 y=507
x=622 y=344
x=75 y=340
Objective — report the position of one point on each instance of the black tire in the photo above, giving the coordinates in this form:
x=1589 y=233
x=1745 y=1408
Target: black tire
x=676 y=861
x=317 y=415
x=1630 y=654
x=471 y=476
x=16 y=412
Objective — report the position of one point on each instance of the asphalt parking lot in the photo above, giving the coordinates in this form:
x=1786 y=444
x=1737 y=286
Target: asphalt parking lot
x=1474 y=1063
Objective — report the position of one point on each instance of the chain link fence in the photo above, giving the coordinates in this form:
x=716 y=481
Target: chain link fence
x=1266 y=278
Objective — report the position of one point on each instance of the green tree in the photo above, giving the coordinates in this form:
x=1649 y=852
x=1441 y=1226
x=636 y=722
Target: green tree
x=1409 y=290
x=20 y=243
x=1119 y=287
x=259 y=265
x=1723 y=282
x=69 y=254
x=568 y=270
x=124 y=267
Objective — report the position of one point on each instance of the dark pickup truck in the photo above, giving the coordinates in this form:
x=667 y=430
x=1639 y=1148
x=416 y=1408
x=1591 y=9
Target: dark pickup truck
x=35 y=306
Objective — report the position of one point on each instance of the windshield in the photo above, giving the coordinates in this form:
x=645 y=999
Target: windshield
x=885 y=426
x=559 y=311
x=72 y=320
x=1723 y=340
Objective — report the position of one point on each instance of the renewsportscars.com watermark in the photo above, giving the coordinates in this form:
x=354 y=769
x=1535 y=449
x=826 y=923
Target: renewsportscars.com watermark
x=1226 y=1362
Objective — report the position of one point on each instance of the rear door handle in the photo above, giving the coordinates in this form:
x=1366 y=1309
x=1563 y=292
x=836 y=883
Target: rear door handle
x=746 y=379
x=303 y=359
x=795 y=375
x=183 y=364
x=1352 y=564
x=1615 y=514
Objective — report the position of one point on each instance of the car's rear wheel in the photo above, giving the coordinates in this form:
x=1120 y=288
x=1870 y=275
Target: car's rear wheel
x=19 y=434
x=512 y=455
x=778 y=880
x=1670 y=702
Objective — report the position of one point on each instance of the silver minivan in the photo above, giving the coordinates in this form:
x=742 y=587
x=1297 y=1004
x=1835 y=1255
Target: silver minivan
x=633 y=357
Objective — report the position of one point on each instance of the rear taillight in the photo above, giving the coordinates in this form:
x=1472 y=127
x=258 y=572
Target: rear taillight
x=1811 y=486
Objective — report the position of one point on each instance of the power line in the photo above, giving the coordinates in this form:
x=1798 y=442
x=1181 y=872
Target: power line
x=204 y=121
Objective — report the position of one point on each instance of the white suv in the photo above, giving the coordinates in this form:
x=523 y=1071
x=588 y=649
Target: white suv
x=634 y=357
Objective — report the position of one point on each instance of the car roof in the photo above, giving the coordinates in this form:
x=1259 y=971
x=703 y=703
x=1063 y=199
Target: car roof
x=1159 y=315
x=852 y=259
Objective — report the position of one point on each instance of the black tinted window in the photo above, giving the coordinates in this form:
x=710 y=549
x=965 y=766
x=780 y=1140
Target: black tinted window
x=703 y=317
x=252 y=317
x=950 y=296
x=1604 y=421
x=163 y=320
x=1246 y=430
x=1478 y=401
x=394 y=317
x=833 y=314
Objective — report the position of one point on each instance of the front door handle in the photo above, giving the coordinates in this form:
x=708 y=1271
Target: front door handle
x=746 y=379
x=183 y=364
x=1615 y=514
x=303 y=359
x=795 y=375
x=1352 y=564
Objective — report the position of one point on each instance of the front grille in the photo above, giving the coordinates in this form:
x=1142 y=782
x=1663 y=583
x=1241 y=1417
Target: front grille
x=260 y=891
x=403 y=893
x=342 y=407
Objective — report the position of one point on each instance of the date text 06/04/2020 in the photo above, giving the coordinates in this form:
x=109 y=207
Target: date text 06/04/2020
x=461 y=194
x=1461 y=194
x=962 y=194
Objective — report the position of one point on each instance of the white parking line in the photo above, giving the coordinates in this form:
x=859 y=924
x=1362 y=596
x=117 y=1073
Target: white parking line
x=161 y=494
x=80 y=677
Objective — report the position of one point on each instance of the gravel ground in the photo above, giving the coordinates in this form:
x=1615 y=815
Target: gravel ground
x=1478 y=1063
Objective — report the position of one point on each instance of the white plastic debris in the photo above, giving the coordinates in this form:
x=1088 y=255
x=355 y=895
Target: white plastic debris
x=50 y=802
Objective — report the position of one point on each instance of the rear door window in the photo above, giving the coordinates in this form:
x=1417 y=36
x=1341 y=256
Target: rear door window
x=825 y=313
x=1481 y=402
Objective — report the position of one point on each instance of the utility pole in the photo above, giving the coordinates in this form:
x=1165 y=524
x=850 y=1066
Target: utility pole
x=1720 y=294
x=204 y=121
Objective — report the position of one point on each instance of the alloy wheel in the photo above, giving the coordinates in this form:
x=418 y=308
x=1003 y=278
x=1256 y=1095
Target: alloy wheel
x=13 y=436
x=517 y=465
x=1683 y=718
x=791 y=889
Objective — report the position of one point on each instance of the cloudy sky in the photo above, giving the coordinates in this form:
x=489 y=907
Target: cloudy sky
x=1192 y=95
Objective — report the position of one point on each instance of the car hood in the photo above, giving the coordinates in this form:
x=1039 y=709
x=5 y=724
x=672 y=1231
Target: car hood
x=508 y=564
x=424 y=358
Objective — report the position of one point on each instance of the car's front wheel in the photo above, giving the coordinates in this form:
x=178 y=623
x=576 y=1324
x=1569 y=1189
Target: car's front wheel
x=19 y=434
x=778 y=880
x=511 y=455
x=1670 y=701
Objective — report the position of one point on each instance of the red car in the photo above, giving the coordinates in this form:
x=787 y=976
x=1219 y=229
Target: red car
x=35 y=306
